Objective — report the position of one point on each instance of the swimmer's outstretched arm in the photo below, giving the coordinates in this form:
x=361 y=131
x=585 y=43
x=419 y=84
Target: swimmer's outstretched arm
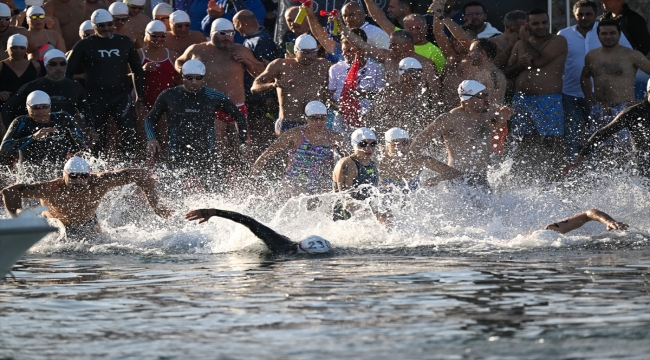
x=584 y=217
x=275 y=242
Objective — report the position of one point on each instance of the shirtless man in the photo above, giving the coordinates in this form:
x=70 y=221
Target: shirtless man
x=297 y=80
x=137 y=19
x=7 y=30
x=180 y=37
x=92 y=5
x=162 y=12
x=75 y=197
x=466 y=131
x=121 y=18
x=401 y=46
x=289 y=38
x=226 y=63
x=401 y=104
x=537 y=62
x=505 y=42
x=613 y=69
x=70 y=13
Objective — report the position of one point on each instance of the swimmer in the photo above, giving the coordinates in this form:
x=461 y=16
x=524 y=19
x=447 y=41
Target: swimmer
x=578 y=220
x=277 y=244
x=75 y=197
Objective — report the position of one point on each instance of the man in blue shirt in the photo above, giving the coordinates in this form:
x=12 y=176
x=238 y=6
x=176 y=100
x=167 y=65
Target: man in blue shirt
x=226 y=9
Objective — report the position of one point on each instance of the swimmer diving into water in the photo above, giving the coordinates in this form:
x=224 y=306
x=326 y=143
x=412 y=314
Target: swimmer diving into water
x=276 y=243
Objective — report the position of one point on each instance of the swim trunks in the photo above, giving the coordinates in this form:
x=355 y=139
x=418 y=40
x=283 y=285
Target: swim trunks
x=542 y=114
x=603 y=115
x=90 y=227
x=222 y=116
x=282 y=125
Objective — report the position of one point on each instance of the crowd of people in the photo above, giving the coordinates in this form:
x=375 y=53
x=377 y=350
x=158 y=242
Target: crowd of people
x=215 y=98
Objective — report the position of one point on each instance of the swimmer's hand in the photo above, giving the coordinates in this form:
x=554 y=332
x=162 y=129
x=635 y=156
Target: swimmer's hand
x=202 y=215
x=616 y=225
x=504 y=113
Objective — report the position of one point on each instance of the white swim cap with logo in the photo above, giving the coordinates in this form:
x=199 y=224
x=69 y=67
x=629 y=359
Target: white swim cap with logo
x=156 y=26
x=395 y=134
x=179 y=16
x=35 y=10
x=469 y=88
x=408 y=63
x=34 y=2
x=53 y=54
x=76 y=165
x=315 y=108
x=38 y=97
x=221 y=25
x=305 y=42
x=118 y=9
x=361 y=134
x=314 y=245
x=136 y=2
x=162 y=9
x=101 y=16
x=85 y=26
x=5 y=11
x=193 y=67
x=17 y=40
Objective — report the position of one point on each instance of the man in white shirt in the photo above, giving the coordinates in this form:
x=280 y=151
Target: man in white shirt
x=355 y=18
x=475 y=17
x=581 y=39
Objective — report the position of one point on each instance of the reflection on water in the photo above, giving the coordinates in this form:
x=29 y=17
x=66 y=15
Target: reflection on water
x=537 y=305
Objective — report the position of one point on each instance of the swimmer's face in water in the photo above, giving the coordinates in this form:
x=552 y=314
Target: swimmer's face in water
x=398 y=147
x=76 y=182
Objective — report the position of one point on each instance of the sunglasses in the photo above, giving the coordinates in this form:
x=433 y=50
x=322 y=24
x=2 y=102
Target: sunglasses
x=157 y=36
x=136 y=7
x=195 y=77
x=308 y=51
x=364 y=144
x=226 y=32
x=104 y=24
x=40 y=107
x=178 y=26
x=54 y=63
x=481 y=95
x=121 y=18
x=78 y=176
x=410 y=71
x=18 y=48
x=87 y=35
x=7 y=19
x=320 y=117
x=400 y=142
x=38 y=16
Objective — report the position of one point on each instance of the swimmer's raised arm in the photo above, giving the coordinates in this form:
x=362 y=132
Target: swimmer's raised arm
x=434 y=130
x=576 y=221
x=268 y=78
x=318 y=31
x=378 y=15
x=13 y=195
x=142 y=178
x=376 y=53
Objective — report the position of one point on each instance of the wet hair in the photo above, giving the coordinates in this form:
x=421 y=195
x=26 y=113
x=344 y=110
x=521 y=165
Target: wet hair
x=489 y=47
x=537 y=11
x=608 y=22
x=362 y=34
x=474 y=3
x=417 y=17
x=404 y=35
x=512 y=17
x=584 y=3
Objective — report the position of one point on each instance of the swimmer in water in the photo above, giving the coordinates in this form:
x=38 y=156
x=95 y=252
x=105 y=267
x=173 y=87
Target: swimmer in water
x=276 y=243
x=578 y=220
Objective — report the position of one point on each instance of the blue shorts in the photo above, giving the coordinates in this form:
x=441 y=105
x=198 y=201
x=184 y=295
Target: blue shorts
x=541 y=114
x=282 y=125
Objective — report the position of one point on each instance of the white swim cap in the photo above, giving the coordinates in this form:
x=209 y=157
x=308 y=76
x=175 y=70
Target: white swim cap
x=221 y=24
x=34 y=2
x=85 y=26
x=305 y=42
x=17 y=40
x=101 y=16
x=38 y=97
x=314 y=245
x=53 y=54
x=362 y=134
x=408 y=63
x=179 y=16
x=315 y=108
x=156 y=26
x=35 y=10
x=193 y=67
x=162 y=9
x=469 y=88
x=76 y=165
x=648 y=86
x=118 y=8
x=136 y=2
x=396 y=133
x=5 y=11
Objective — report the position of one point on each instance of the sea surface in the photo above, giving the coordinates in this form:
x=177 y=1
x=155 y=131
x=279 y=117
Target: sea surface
x=455 y=277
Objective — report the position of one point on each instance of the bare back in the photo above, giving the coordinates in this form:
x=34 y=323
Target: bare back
x=70 y=14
